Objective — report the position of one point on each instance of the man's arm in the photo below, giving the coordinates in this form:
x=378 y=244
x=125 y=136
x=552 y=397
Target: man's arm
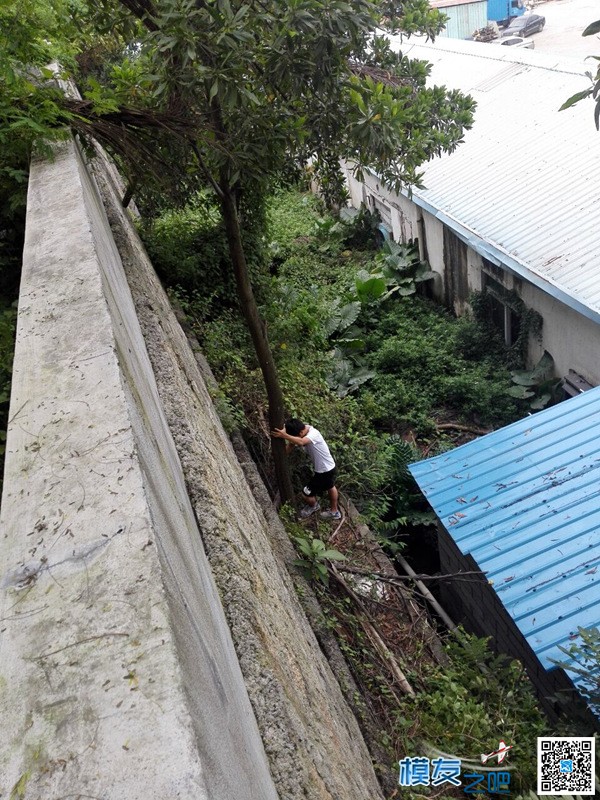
x=281 y=433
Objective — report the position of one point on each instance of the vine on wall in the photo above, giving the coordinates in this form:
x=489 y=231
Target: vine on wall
x=530 y=321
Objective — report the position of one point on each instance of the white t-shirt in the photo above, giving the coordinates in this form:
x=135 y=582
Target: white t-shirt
x=318 y=451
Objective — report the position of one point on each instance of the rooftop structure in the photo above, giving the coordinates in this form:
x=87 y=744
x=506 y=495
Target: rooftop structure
x=523 y=503
x=522 y=188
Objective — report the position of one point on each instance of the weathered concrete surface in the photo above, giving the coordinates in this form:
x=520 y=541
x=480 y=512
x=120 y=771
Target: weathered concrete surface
x=312 y=740
x=118 y=678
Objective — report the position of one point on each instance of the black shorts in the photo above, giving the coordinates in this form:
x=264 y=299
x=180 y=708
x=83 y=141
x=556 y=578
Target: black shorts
x=320 y=482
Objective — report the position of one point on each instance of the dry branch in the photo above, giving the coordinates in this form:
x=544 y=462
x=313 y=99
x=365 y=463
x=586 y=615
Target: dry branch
x=455 y=426
x=371 y=631
x=399 y=579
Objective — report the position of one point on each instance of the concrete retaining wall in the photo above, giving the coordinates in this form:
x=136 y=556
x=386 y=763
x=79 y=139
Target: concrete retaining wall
x=126 y=669
x=118 y=678
x=313 y=743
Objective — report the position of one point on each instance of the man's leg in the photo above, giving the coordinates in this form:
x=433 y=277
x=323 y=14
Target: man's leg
x=309 y=497
x=333 y=498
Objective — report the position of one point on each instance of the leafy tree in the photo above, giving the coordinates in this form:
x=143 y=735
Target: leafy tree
x=594 y=89
x=231 y=94
x=30 y=116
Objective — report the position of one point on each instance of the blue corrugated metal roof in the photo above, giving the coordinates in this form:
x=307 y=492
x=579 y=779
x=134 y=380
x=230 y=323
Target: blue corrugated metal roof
x=524 y=502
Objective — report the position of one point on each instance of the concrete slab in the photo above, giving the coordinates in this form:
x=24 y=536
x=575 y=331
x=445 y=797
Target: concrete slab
x=565 y=21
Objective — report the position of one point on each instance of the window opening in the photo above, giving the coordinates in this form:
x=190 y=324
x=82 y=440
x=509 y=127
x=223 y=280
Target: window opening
x=502 y=316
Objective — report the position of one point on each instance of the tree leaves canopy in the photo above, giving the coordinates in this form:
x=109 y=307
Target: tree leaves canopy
x=249 y=88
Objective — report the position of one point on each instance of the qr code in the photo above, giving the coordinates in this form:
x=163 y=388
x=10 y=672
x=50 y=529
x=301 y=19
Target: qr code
x=566 y=765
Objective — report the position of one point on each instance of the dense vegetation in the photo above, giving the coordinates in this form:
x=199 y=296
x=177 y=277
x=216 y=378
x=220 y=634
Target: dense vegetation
x=377 y=370
x=12 y=226
x=385 y=373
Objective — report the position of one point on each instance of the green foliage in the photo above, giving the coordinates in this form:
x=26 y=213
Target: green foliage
x=401 y=502
x=32 y=34
x=394 y=365
x=477 y=340
x=530 y=323
x=226 y=96
x=314 y=555
x=348 y=372
x=583 y=660
x=291 y=222
x=462 y=706
x=361 y=230
x=471 y=702
x=420 y=370
x=413 y=17
x=401 y=268
x=8 y=322
x=189 y=249
x=594 y=89
x=537 y=386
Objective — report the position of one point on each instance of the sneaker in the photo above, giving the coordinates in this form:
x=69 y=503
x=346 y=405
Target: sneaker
x=331 y=514
x=308 y=511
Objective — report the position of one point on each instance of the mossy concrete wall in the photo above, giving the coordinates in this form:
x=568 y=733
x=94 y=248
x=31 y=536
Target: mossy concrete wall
x=131 y=666
x=118 y=677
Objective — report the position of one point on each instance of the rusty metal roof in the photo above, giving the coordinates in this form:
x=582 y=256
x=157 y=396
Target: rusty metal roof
x=524 y=502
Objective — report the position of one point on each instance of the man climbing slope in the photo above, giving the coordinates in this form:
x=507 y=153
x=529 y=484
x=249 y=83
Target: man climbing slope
x=323 y=479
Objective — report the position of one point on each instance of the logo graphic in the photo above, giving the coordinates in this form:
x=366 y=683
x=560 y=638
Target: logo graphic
x=439 y=768
x=500 y=753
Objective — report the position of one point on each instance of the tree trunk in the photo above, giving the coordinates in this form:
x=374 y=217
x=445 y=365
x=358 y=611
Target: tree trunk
x=257 y=329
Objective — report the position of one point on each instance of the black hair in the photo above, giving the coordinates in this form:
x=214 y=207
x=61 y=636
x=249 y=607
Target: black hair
x=294 y=426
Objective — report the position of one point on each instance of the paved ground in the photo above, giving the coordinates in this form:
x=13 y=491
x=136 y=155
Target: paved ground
x=565 y=20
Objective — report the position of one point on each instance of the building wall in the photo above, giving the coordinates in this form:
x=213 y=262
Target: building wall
x=464 y=19
x=571 y=339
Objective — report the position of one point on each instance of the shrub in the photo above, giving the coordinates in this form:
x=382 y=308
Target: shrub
x=472 y=698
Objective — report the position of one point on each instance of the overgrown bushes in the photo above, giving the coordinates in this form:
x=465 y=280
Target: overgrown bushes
x=339 y=319
x=12 y=231
x=382 y=373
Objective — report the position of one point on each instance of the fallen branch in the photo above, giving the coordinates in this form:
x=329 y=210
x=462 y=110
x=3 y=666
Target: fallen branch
x=448 y=426
x=397 y=579
x=371 y=631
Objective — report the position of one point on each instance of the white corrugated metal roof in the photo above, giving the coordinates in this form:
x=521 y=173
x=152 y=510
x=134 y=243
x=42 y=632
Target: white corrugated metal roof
x=527 y=178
